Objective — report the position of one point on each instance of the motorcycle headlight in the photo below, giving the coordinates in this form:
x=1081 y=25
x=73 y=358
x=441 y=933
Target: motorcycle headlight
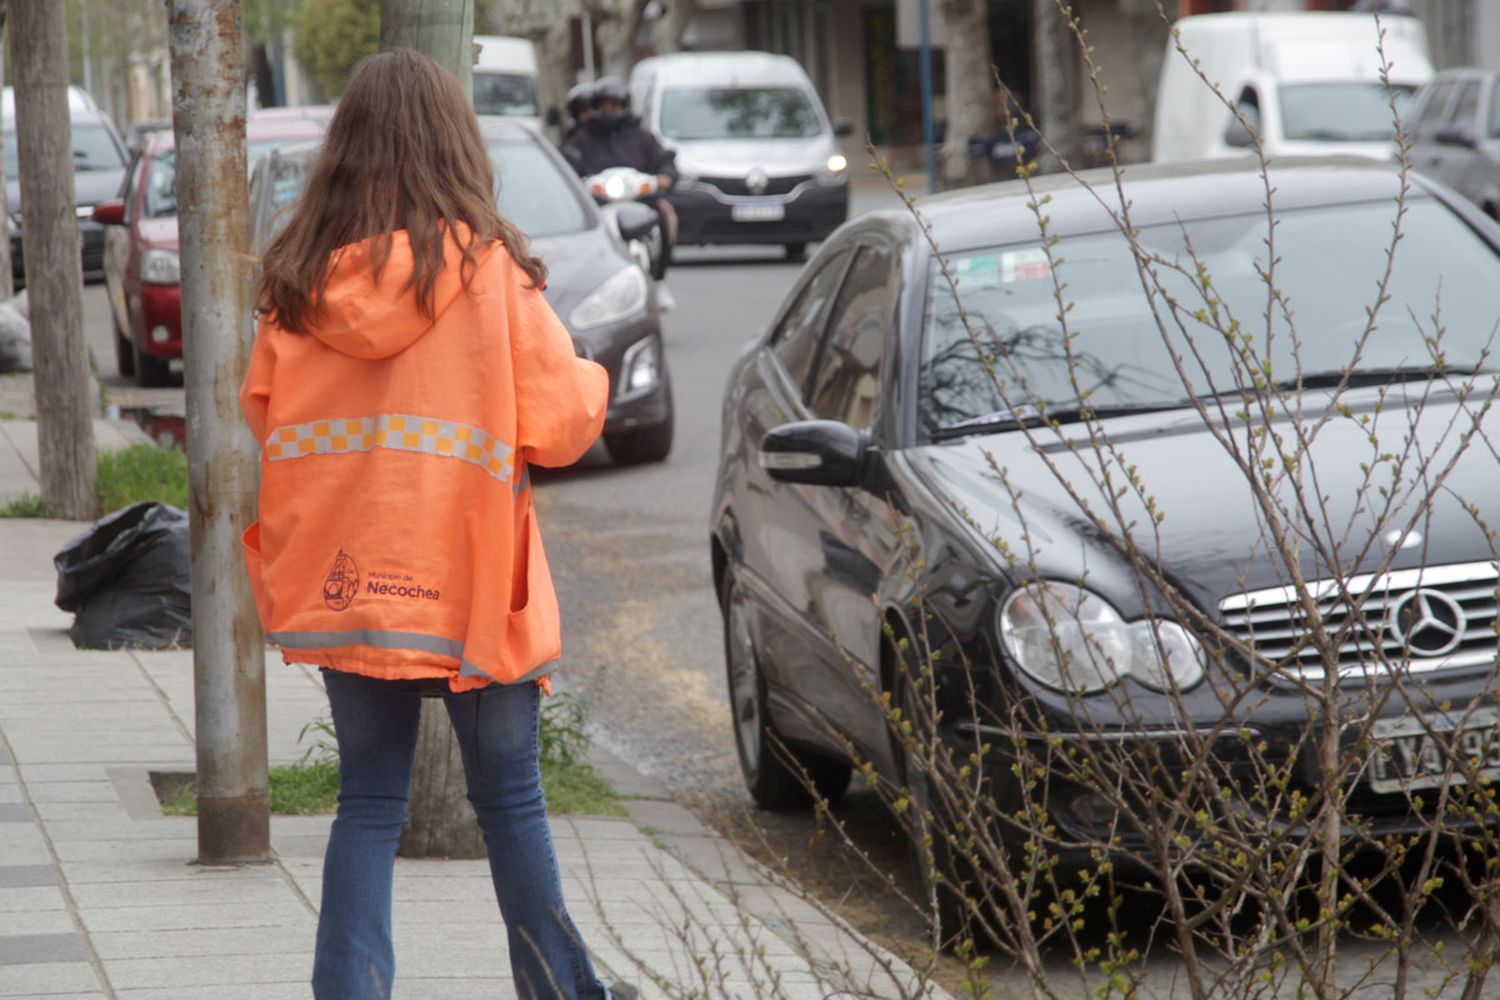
x=1073 y=640
x=835 y=170
x=160 y=267
x=622 y=294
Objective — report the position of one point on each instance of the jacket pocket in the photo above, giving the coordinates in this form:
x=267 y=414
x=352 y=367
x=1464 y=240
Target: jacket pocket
x=255 y=570
x=532 y=629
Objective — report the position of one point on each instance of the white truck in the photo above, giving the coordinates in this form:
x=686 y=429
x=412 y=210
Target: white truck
x=1307 y=84
x=505 y=79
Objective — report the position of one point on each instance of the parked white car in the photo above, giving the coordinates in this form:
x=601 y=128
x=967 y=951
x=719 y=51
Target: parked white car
x=1307 y=84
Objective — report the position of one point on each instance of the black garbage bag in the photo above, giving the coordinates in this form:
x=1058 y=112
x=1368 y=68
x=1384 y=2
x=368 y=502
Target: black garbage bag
x=127 y=580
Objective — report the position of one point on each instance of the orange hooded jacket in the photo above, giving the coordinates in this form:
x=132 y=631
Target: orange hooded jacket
x=397 y=536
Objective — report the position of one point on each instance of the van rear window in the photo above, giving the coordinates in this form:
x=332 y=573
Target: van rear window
x=738 y=113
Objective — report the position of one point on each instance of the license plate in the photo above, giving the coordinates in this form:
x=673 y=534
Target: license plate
x=1408 y=754
x=771 y=212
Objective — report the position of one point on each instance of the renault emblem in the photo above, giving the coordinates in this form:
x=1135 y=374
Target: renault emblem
x=1428 y=622
x=756 y=181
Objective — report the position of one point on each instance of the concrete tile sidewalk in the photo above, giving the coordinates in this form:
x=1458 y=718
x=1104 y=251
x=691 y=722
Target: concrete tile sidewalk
x=99 y=897
x=18 y=451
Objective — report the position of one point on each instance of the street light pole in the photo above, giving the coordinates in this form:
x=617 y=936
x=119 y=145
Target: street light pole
x=229 y=685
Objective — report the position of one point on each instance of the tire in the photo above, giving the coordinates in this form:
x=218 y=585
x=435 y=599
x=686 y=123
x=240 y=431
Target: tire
x=935 y=873
x=796 y=253
x=773 y=784
x=642 y=445
x=150 y=372
x=124 y=351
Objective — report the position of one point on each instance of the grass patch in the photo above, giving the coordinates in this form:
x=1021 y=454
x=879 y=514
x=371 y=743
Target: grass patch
x=26 y=505
x=139 y=473
x=311 y=785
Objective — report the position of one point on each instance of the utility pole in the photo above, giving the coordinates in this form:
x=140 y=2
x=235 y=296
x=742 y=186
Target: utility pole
x=442 y=823
x=442 y=29
x=49 y=233
x=229 y=684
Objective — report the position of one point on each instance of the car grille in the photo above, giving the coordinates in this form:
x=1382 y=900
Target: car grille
x=1434 y=618
x=774 y=185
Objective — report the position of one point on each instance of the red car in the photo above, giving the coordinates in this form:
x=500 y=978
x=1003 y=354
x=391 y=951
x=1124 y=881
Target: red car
x=141 y=266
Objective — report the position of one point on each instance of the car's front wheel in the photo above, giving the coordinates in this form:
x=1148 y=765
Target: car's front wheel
x=643 y=444
x=150 y=371
x=124 y=350
x=777 y=775
x=796 y=253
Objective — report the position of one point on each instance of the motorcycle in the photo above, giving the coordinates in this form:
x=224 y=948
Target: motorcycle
x=617 y=184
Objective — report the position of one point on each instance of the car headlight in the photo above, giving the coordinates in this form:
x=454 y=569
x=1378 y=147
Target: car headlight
x=640 y=369
x=160 y=267
x=1073 y=640
x=622 y=294
x=835 y=170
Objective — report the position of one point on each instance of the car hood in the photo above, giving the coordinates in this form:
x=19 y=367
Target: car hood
x=1210 y=541
x=90 y=186
x=736 y=157
x=576 y=265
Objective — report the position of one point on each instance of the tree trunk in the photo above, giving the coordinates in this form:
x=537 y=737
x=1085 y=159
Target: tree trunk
x=1055 y=81
x=229 y=657
x=1150 y=31
x=54 y=271
x=7 y=278
x=971 y=87
x=615 y=31
x=442 y=29
x=666 y=36
x=441 y=822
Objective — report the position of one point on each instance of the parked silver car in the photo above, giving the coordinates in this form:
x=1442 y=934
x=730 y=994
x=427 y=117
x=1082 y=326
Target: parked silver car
x=1455 y=127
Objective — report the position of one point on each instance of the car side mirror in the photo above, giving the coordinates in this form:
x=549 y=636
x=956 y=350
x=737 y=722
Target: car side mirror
x=815 y=452
x=843 y=127
x=554 y=116
x=634 y=220
x=1456 y=135
x=1237 y=135
x=109 y=213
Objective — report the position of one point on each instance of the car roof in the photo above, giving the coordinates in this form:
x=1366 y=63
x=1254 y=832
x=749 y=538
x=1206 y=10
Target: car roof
x=995 y=214
x=259 y=126
x=729 y=69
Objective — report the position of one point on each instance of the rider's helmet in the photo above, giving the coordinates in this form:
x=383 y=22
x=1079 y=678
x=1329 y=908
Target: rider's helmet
x=580 y=98
x=611 y=88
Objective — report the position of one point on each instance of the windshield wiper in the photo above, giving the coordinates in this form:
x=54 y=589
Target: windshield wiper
x=1332 y=378
x=1029 y=416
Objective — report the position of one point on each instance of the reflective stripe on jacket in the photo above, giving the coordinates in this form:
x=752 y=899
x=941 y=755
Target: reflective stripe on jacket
x=397 y=536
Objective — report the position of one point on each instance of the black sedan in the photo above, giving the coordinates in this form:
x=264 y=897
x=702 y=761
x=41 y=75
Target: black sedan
x=594 y=283
x=916 y=432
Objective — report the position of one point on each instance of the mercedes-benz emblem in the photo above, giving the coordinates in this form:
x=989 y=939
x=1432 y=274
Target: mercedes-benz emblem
x=756 y=181
x=1428 y=622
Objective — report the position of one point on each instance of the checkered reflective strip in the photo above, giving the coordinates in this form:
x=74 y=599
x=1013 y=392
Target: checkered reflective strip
x=396 y=431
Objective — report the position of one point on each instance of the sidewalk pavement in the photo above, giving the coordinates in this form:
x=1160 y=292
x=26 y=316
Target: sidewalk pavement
x=100 y=898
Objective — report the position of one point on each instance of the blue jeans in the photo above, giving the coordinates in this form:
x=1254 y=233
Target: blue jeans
x=376 y=725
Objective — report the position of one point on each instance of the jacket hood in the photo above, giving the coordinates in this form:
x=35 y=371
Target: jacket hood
x=368 y=317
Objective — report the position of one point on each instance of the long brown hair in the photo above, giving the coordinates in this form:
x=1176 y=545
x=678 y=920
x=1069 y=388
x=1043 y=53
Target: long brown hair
x=403 y=151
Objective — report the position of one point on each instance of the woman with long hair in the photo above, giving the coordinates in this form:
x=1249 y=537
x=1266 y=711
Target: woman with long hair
x=406 y=373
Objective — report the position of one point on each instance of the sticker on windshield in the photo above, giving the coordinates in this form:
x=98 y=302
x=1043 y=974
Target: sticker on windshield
x=970 y=273
x=1024 y=265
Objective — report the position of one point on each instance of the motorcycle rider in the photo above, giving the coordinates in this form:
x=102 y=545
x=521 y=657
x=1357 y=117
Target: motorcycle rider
x=580 y=104
x=613 y=137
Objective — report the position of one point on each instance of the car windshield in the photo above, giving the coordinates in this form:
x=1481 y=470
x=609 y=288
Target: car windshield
x=738 y=113
x=161 y=186
x=1329 y=260
x=1341 y=112
x=93 y=149
x=504 y=94
x=535 y=195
